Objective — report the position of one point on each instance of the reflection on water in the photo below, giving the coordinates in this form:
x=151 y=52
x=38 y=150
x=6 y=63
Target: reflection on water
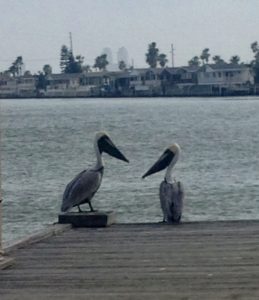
x=46 y=142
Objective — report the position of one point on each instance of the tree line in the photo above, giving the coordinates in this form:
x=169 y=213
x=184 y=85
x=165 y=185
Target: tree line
x=70 y=63
x=204 y=58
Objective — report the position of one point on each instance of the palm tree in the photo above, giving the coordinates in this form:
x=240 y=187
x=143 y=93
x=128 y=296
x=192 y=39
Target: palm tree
x=234 y=59
x=152 y=55
x=162 y=60
x=47 y=70
x=254 y=47
x=80 y=59
x=42 y=81
x=217 y=59
x=86 y=69
x=16 y=67
x=101 y=62
x=205 y=55
x=255 y=61
x=194 y=62
x=122 y=65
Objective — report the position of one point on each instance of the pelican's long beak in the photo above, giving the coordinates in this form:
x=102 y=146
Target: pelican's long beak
x=163 y=162
x=105 y=144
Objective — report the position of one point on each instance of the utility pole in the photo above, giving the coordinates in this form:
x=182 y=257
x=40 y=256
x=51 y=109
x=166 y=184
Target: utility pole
x=172 y=53
x=71 y=42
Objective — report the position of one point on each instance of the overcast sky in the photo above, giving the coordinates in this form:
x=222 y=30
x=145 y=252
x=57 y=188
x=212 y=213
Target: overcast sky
x=37 y=29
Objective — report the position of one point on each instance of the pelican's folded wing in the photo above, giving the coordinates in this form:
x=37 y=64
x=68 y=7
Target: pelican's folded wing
x=81 y=188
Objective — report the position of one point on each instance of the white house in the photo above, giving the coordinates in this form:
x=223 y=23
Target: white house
x=60 y=85
x=231 y=77
x=145 y=80
x=23 y=86
x=26 y=86
x=8 y=87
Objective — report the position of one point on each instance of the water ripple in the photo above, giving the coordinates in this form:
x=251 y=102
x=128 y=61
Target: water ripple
x=46 y=142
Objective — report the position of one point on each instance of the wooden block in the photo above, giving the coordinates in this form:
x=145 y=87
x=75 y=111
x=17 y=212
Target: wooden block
x=87 y=219
x=5 y=262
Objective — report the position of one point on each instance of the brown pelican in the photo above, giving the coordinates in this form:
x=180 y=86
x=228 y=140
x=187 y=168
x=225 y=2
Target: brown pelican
x=171 y=192
x=83 y=187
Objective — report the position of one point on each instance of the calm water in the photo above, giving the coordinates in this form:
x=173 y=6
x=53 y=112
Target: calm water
x=46 y=142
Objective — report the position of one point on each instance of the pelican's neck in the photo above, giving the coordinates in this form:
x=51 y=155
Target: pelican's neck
x=99 y=162
x=169 y=171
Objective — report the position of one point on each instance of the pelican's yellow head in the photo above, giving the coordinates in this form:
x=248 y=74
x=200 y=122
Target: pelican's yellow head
x=175 y=148
x=168 y=158
x=104 y=144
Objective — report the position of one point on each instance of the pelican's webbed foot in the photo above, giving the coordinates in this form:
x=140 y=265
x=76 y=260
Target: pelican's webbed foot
x=162 y=222
x=91 y=207
x=79 y=209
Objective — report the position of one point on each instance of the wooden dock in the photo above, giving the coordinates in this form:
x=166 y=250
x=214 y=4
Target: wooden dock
x=202 y=260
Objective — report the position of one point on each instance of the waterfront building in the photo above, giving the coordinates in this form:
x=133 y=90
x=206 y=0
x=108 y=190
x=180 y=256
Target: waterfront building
x=61 y=85
x=146 y=82
x=179 y=81
x=26 y=86
x=224 y=79
x=78 y=84
x=208 y=80
x=7 y=86
x=22 y=86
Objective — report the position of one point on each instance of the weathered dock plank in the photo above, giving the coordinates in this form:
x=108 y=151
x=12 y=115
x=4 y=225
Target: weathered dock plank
x=204 y=260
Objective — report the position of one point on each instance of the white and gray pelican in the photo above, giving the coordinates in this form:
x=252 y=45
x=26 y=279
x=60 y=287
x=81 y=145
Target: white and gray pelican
x=83 y=187
x=171 y=192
